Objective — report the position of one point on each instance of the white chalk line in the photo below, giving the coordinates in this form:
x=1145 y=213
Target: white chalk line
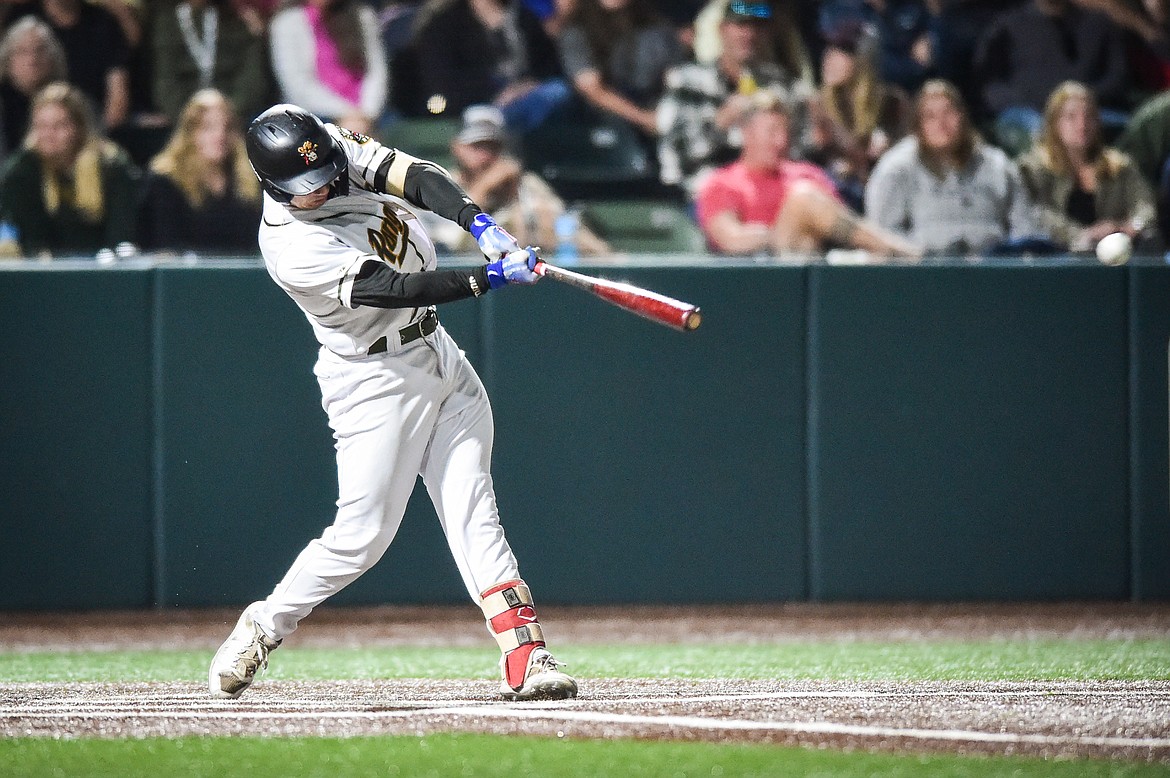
x=131 y=707
x=680 y=722
x=138 y=702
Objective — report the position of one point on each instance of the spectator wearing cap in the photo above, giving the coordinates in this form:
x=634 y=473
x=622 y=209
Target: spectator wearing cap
x=766 y=203
x=699 y=116
x=521 y=201
x=855 y=117
x=784 y=33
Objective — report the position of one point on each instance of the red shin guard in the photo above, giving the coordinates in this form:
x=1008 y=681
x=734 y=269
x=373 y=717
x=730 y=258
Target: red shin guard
x=513 y=623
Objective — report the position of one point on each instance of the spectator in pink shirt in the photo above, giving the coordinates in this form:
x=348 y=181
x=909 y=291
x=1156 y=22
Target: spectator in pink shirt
x=767 y=203
x=328 y=58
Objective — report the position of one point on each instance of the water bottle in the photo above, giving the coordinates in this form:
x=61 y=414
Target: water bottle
x=566 y=227
x=9 y=240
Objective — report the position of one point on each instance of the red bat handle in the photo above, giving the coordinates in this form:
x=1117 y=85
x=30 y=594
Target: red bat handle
x=650 y=305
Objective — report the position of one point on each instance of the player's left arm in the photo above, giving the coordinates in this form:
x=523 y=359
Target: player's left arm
x=380 y=286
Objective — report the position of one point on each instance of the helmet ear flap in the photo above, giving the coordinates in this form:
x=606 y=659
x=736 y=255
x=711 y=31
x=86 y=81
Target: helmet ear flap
x=284 y=198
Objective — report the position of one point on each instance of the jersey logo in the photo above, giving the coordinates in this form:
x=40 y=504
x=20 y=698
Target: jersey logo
x=391 y=238
x=356 y=137
x=308 y=152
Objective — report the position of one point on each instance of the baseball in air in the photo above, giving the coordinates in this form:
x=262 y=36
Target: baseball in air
x=1115 y=248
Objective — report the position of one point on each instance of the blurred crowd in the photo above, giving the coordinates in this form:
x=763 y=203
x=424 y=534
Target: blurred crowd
x=899 y=127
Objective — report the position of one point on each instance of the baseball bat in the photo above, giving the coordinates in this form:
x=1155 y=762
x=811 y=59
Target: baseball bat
x=650 y=305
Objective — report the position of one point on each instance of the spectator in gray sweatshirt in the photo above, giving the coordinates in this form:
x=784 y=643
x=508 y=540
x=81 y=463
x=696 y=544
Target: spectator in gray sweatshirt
x=943 y=187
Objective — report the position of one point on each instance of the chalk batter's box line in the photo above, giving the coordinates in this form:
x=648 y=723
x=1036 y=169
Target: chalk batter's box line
x=68 y=709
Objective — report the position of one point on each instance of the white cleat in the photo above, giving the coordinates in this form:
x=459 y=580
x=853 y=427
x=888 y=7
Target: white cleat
x=239 y=658
x=542 y=681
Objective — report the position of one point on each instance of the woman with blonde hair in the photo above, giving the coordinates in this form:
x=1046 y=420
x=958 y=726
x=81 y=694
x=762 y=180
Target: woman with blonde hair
x=1083 y=189
x=201 y=194
x=68 y=191
x=855 y=116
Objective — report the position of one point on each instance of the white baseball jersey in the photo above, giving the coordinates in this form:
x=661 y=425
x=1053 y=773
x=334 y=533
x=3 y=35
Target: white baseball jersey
x=315 y=255
x=413 y=407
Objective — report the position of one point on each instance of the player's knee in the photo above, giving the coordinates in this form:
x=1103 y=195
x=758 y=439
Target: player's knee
x=806 y=193
x=362 y=545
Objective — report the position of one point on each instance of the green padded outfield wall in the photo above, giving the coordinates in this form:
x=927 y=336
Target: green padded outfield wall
x=635 y=463
x=1149 y=324
x=968 y=434
x=830 y=433
x=249 y=476
x=75 y=446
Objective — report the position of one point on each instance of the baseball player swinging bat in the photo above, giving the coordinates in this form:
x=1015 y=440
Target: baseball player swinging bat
x=650 y=305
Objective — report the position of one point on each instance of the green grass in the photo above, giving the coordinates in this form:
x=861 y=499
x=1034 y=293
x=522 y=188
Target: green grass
x=506 y=757
x=482 y=755
x=993 y=660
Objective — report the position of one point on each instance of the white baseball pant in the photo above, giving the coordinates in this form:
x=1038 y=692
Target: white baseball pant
x=418 y=408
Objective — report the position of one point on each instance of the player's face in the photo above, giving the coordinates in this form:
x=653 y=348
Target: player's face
x=55 y=136
x=1076 y=126
x=213 y=136
x=314 y=199
x=941 y=123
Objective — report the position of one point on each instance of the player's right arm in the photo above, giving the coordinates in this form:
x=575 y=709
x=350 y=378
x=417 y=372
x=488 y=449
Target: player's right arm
x=427 y=185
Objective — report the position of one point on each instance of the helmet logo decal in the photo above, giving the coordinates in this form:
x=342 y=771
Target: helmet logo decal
x=308 y=152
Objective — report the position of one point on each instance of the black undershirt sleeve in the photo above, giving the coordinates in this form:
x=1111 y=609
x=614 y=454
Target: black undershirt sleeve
x=428 y=186
x=380 y=286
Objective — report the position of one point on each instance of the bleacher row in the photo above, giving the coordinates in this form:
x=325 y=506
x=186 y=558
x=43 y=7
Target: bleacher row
x=600 y=168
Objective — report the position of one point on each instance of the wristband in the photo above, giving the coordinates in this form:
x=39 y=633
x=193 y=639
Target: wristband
x=495 y=274
x=480 y=223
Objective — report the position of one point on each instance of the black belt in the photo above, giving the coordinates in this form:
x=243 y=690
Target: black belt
x=421 y=328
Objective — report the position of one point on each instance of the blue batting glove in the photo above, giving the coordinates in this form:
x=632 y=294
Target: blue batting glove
x=494 y=241
x=516 y=267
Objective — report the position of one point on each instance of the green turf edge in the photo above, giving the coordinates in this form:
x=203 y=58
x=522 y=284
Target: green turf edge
x=992 y=660
x=444 y=755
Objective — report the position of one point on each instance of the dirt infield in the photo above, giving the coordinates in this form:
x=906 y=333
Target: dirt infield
x=1121 y=720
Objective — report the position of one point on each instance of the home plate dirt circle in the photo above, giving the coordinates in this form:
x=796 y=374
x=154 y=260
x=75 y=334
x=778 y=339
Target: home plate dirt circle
x=1109 y=719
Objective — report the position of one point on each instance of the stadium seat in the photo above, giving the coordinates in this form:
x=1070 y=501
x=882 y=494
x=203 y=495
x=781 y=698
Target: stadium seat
x=425 y=138
x=582 y=154
x=645 y=226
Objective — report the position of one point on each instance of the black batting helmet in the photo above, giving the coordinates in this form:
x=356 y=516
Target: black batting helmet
x=293 y=154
